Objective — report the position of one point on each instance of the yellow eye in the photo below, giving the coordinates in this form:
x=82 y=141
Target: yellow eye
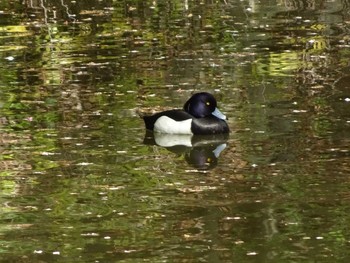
x=208 y=103
x=208 y=160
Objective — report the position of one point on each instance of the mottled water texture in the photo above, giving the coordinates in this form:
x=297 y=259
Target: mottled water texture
x=82 y=181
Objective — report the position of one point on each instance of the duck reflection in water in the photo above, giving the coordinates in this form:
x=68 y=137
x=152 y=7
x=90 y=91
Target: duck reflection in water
x=200 y=151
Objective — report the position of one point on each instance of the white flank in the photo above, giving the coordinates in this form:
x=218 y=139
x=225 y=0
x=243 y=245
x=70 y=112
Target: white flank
x=165 y=124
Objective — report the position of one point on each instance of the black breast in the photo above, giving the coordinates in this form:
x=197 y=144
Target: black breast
x=209 y=125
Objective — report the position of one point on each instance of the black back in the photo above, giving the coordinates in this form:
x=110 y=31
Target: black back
x=177 y=115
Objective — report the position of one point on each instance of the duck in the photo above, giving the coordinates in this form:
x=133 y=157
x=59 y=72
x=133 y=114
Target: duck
x=199 y=116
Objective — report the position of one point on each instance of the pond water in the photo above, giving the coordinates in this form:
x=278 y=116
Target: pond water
x=80 y=179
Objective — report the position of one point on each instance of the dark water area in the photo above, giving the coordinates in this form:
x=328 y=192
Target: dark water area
x=80 y=179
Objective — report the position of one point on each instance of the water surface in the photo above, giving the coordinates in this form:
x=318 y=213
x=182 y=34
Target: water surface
x=81 y=180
